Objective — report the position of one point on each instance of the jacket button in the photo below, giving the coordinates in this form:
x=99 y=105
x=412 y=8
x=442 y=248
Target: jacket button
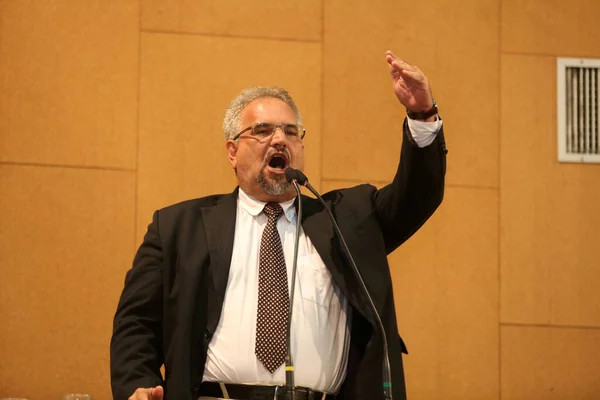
x=207 y=333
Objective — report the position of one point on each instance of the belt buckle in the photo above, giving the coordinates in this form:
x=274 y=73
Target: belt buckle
x=282 y=390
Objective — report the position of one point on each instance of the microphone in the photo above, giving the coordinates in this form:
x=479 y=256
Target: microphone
x=297 y=176
x=292 y=176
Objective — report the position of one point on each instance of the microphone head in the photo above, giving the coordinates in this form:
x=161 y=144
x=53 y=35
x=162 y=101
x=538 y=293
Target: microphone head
x=292 y=174
x=302 y=179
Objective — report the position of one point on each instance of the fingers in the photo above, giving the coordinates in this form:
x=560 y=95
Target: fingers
x=401 y=68
x=398 y=63
x=158 y=393
x=411 y=74
x=410 y=83
x=390 y=56
x=141 y=394
x=416 y=76
x=155 y=393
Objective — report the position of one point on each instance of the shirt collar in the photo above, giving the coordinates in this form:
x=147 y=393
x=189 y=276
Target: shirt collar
x=254 y=207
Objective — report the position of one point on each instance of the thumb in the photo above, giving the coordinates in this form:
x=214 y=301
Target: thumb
x=157 y=393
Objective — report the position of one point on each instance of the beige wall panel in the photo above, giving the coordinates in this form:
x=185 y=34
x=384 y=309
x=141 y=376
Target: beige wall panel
x=67 y=239
x=549 y=209
x=187 y=82
x=362 y=128
x=69 y=82
x=466 y=84
x=290 y=19
x=363 y=117
x=446 y=292
x=550 y=363
x=551 y=27
x=446 y=286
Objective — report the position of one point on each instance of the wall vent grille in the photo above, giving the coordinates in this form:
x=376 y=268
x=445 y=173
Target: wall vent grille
x=578 y=110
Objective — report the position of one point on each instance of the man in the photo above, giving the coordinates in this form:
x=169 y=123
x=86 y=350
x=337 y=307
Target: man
x=209 y=289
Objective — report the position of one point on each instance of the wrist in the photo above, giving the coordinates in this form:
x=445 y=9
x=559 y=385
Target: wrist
x=426 y=115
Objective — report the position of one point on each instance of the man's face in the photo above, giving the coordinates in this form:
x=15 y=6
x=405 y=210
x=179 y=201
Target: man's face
x=260 y=163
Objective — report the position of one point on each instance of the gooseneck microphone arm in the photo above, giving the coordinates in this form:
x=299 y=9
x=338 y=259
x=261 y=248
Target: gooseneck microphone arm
x=386 y=369
x=290 y=392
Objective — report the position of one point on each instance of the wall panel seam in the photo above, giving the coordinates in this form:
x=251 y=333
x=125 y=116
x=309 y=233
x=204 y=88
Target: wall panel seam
x=69 y=166
x=382 y=182
x=322 y=127
x=137 y=129
x=226 y=36
x=548 y=55
x=551 y=326
x=499 y=208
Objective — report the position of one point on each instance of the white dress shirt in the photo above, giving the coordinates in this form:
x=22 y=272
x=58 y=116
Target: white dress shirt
x=320 y=331
x=320 y=328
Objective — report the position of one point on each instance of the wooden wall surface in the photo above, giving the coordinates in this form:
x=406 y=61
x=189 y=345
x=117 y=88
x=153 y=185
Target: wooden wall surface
x=112 y=109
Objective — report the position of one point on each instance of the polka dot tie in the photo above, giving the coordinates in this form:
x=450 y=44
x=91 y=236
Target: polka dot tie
x=273 y=296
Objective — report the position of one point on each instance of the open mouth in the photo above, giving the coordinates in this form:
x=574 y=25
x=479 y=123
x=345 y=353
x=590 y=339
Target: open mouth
x=278 y=161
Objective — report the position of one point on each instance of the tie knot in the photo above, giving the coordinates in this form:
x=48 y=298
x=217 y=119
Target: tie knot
x=273 y=210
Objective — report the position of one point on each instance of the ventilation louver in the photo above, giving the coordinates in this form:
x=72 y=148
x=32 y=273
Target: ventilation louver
x=578 y=110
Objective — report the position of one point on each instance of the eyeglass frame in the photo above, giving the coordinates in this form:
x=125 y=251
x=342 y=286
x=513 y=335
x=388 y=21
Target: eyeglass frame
x=275 y=126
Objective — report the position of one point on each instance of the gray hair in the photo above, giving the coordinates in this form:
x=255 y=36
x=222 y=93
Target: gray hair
x=232 y=123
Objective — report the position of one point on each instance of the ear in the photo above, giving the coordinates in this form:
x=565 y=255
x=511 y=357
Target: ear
x=231 y=147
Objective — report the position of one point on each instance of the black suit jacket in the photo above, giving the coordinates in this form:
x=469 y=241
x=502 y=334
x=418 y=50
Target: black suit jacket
x=173 y=294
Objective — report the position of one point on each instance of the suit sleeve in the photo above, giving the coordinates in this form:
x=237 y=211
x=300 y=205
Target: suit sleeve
x=136 y=346
x=404 y=205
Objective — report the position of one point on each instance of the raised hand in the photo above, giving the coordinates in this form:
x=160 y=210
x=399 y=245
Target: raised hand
x=410 y=85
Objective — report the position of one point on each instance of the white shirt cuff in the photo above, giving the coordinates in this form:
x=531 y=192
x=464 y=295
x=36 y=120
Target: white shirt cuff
x=423 y=132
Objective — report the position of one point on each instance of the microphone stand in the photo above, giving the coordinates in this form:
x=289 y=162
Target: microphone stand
x=387 y=375
x=290 y=391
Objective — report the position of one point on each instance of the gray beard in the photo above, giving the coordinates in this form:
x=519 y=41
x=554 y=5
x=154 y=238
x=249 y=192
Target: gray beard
x=273 y=187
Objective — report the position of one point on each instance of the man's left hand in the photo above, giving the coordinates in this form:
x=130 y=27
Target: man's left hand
x=410 y=85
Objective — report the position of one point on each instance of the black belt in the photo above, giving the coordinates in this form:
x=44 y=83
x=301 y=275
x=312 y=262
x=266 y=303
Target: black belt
x=252 y=392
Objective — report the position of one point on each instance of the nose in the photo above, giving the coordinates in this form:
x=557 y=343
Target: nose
x=279 y=136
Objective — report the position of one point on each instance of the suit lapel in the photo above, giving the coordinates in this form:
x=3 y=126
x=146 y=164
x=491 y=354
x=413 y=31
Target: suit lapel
x=219 y=223
x=317 y=227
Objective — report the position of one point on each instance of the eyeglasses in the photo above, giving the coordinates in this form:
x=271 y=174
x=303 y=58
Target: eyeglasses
x=263 y=130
